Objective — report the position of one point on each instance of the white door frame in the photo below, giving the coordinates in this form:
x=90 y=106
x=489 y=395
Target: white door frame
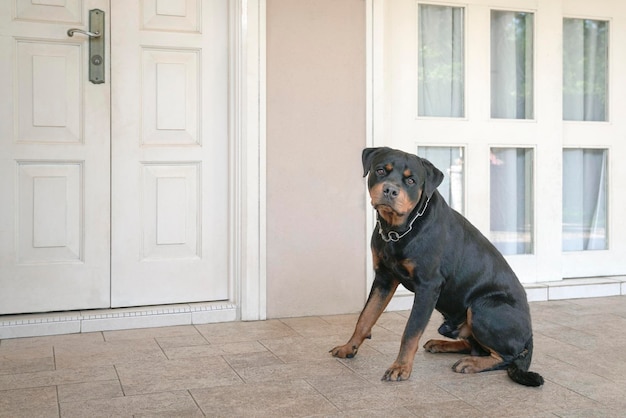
x=248 y=180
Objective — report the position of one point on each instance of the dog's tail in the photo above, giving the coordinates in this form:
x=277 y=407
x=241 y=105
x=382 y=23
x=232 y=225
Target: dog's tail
x=518 y=369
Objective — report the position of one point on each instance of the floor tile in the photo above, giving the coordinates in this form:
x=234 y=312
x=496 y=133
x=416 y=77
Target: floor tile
x=380 y=395
x=290 y=398
x=247 y=360
x=151 y=333
x=597 y=412
x=26 y=360
x=172 y=375
x=446 y=409
x=233 y=332
x=208 y=350
x=173 y=404
x=104 y=389
x=292 y=371
x=181 y=341
x=395 y=412
x=107 y=353
x=57 y=377
x=29 y=403
x=496 y=395
x=316 y=327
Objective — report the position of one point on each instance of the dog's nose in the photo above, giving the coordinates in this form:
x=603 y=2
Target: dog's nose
x=390 y=191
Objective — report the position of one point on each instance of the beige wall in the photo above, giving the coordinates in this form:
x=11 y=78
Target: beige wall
x=315 y=133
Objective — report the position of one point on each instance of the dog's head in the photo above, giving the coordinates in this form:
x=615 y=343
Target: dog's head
x=397 y=181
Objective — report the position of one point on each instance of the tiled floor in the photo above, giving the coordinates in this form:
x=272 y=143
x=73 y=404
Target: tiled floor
x=283 y=368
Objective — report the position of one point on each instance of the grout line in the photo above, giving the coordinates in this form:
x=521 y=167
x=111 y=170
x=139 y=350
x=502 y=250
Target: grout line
x=119 y=380
x=233 y=369
x=201 y=334
x=269 y=350
x=323 y=396
x=56 y=387
x=196 y=402
x=291 y=328
x=161 y=348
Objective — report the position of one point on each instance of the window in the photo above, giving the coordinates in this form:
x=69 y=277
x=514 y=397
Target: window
x=440 y=61
x=585 y=69
x=511 y=200
x=450 y=161
x=584 y=199
x=511 y=65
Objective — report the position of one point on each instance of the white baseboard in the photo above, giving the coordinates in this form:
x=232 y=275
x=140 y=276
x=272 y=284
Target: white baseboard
x=30 y=325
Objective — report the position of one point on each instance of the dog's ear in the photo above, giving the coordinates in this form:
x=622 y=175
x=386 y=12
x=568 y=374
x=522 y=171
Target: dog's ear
x=434 y=177
x=368 y=156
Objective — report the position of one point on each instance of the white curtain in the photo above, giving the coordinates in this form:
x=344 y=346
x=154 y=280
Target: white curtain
x=440 y=61
x=584 y=199
x=585 y=63
x=511 y=65
x=450 y=161
x=511 y=201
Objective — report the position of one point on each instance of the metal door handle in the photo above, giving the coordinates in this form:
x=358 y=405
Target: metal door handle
x=96 y=45
x=71 y=32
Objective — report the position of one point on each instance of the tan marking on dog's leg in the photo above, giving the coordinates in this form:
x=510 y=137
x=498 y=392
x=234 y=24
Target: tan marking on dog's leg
x=403 y=366
x=447 y=346
x=477 y=364
x=455 y=346
x=409 y=266
x=375 y=259
x=374 y=307
x=466 y=329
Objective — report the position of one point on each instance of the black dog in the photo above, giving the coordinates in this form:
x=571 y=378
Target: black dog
x=433 y=251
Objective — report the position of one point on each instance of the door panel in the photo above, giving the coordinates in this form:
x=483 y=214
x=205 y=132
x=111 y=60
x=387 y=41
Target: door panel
x=170 y=152
x=54 y=162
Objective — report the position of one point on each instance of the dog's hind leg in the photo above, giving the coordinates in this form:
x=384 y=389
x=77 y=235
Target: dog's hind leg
x=456 y=346
x=475 y=364
x=447 y=346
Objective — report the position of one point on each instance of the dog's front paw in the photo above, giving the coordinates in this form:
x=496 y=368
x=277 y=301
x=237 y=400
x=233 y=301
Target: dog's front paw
x=344 y=351
x=397 y=372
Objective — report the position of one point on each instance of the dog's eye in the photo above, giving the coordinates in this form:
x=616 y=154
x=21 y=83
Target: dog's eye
x=381 y=171
x=410 y=181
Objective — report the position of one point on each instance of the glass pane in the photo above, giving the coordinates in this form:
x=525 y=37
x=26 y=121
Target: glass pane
x=511 y=65
x=450 y=161
x=440 y=61
x=511 y=200
x=585 y=66
x=584 y=199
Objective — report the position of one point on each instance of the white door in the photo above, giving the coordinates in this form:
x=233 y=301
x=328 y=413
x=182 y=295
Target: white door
x=480 y=89
x=54 y=161
x=169 y=151
x=113 y=194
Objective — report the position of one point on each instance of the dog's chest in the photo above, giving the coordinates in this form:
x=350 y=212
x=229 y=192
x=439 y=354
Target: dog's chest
x=403 y=268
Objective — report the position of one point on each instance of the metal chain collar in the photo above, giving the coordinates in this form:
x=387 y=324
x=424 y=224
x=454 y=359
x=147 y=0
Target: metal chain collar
x=393 y=235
